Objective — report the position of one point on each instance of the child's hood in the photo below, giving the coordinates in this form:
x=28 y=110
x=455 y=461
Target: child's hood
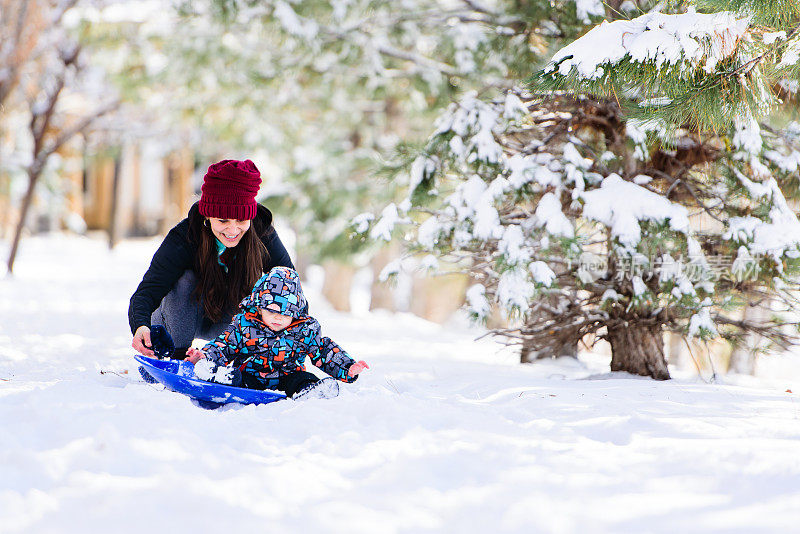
x=281 y=286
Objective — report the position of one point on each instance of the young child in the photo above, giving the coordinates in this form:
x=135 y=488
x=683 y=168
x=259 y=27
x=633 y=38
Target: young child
x=267 y=342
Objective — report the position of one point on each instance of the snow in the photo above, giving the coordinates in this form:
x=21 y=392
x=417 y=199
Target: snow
x=755 y=189
x=574 y=157
x=548 y=214
x=429 y=263
x=745 y=264
x=206 y=370
x=542 y=273
x=748 y=135
x=141 y=11
x=421 y=168
x=779 y=238
x=393 y=268
x=466 y=39
x=340 y=8
x=442 y=434
x=525 y=168
x=476 y=300
x=671 y=270
x=457 y=147
x=701 y=40
x=637 y=130
x=656 y=102
x=700 y=322
x=514 y=108
x=515 y=290
x=360 y=222
x=771 y=37
x=620 y=205
x=428 y=233
x=487 y=220
x=639 y=287
x=791 y=54
x=389 y=219
x=293 y=24
x=587 y=8
x=512 y=245
x=785 y=163
x=610 y=294
x=476 y=120
x=474 y=199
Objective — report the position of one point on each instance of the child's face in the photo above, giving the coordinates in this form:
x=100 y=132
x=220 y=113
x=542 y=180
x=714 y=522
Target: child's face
x=273 y=318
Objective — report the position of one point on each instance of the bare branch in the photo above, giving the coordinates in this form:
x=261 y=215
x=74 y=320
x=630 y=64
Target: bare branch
x=766 y=330
x=63 y=7
x=480 y=8
x=81 y=126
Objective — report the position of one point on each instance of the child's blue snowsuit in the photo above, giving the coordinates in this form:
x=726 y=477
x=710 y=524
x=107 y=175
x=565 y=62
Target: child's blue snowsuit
x=275 y=360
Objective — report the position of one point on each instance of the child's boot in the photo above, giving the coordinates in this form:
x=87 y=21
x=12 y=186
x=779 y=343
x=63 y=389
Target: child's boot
x=327 y=388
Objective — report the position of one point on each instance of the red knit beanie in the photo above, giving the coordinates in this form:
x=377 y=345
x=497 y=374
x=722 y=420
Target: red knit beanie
x=229 y=190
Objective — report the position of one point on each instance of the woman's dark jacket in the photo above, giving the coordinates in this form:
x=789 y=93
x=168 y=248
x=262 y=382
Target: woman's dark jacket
x=176 y=256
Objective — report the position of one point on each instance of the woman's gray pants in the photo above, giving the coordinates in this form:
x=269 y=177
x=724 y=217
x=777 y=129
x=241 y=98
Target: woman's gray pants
x=183 y=317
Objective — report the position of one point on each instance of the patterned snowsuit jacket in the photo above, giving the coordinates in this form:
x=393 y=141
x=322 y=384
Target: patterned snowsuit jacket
x=255 y=349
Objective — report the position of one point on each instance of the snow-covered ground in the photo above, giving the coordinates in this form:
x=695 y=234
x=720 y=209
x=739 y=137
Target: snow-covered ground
x=443 y=434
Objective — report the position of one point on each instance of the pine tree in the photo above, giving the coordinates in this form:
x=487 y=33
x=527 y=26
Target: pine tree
x=327 y=90
x=641 y=184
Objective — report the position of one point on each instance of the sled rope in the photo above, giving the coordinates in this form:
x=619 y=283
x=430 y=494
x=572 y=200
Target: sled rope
x=129 y=379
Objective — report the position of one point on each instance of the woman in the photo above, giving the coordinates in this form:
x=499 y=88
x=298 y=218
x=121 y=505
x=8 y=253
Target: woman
x=209 y=262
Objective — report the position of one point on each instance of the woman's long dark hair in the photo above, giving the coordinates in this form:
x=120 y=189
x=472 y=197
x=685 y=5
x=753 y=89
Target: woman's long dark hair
x=221 y=292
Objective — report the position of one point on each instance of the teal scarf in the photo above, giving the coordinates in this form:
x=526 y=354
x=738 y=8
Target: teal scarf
x=220 y=249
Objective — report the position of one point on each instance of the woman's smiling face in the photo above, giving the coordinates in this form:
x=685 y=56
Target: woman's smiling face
x=228 y=231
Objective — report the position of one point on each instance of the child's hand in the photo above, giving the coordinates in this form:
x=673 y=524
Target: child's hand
x=356 y=368
x=194 y=355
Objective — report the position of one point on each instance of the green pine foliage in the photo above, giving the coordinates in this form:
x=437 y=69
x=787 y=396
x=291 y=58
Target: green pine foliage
x=702 y=94
x=780 y=14
x=544 y=204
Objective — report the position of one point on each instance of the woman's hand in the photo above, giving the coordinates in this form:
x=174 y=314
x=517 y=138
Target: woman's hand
x=141 y=341
x=194 y=355
x=357 y=368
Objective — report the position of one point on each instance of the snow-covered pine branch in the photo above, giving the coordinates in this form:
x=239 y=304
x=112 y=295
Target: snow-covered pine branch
x=702 y=69
x=571 y=233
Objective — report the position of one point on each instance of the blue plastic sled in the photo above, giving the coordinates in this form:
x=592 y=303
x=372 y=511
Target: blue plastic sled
x=179 y=376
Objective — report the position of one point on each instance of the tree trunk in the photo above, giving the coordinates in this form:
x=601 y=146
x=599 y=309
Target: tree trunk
x=337 y=284
x=33 y=177
x=381 y=293
x=743 y=356
x=437 y=298
x=743 y=360
x=114 y=215
x=676 y=348
x=613 y=9
x=5 y=199
x=638 y=350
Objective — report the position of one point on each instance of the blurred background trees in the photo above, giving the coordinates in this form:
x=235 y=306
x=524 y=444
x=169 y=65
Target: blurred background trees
x=44 y=83
x=366 y=116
